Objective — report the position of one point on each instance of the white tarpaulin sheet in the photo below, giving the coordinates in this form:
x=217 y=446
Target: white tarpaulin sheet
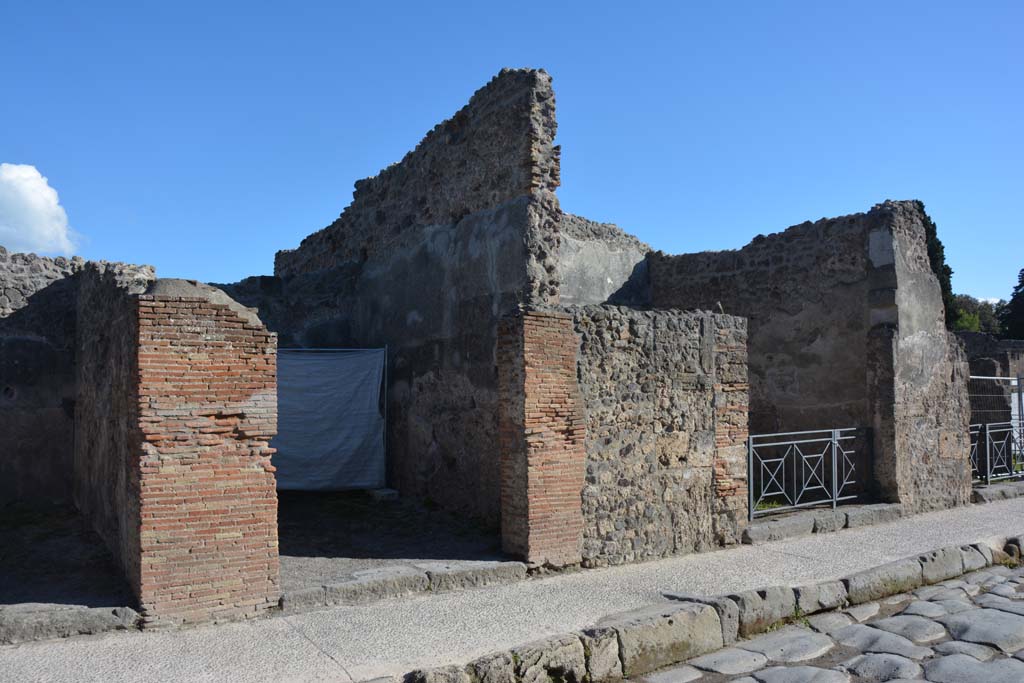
x=330 y=431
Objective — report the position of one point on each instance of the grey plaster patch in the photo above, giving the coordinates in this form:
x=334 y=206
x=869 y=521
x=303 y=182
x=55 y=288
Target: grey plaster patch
x=869 y=639
x=730 y=661
x=915 y=628
x=790 y=644
x=987 y=626
x=882 y=667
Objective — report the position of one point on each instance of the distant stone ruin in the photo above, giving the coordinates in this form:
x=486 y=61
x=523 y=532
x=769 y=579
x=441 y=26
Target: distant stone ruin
x=549 y=375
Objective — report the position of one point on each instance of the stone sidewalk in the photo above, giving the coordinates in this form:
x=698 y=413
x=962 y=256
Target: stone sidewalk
x=396 y=636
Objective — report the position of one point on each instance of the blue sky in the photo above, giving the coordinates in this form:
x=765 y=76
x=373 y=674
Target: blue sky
x=203 y=137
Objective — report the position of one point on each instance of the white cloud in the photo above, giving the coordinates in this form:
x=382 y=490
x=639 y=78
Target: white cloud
x=31 y=217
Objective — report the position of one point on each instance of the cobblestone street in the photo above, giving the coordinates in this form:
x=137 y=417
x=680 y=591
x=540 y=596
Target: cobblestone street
x=958 y=631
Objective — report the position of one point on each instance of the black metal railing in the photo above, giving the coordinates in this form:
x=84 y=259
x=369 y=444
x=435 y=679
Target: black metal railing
x=790 y=470
x=997 y=451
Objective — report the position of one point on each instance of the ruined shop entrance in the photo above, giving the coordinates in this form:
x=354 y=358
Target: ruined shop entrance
x=338 y=522
x=997 y=429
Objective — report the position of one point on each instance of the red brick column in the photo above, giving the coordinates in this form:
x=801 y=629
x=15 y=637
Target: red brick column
x=732 y=401
x=541 y=437
x=206 y=491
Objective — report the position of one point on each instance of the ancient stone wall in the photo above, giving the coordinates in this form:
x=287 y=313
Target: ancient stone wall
x=599 y=263
x=1005 y=356
x=427 y=258
x=37 y=378
x=107 y=436
x=846 y=330
x=541 y=438
x=664 y=394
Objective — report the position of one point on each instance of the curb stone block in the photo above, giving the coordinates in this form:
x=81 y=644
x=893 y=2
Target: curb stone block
x=941 y=564
x=761 y=608
x=554 y=660
x=601 y=647
x=819 y=597
x=497 y=668
x=880 y=582
x=441 y=674
x=728 y=612
x=827 y=521
x=444 y=576
x=375 y=584
x=763 y=531
x=972 y=558
x=873 y=514
x=986 y=552
x=293 y=601
x=654 y=637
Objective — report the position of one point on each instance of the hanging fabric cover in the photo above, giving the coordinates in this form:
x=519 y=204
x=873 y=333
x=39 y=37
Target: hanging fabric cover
x=330 y=433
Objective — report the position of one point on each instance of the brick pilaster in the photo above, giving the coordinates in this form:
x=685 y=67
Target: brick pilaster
x=541 y=438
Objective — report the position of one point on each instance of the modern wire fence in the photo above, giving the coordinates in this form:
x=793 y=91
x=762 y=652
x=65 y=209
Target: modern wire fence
x=997 y=428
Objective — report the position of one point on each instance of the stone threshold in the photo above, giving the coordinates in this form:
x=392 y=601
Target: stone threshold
x=683 y=627
x=24 y=622
x=381 y=583
x=997 y=491
x=818 y=521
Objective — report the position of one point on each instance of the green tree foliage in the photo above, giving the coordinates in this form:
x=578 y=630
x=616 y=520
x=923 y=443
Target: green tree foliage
x=1011 y=315
x=937 y=258
x=973 y=315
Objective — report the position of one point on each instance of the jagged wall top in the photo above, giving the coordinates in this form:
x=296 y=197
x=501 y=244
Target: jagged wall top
x=496 y=148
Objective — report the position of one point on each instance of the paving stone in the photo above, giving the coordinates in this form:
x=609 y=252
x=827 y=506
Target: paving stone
x=955 y=606
x=863 y=612
x=1007 y=591
x=827 y=622
x=728 y=612
x=941 y=564
x=915 y=628
x=922 y=608
x=968 y=588
x=950 y=594
x=779 y=528
x=800 y=674
x=761 y=608
x=790 y=644
x=998 y=602
x=927 y=592
x=867 y=639
x=965 y=669
x=730 y=660
x=882 y=667
x=677 y=674
x=883 y=581
x=982 y=653
x=659 y=635
x=898 y=598
x=817 y=597
x=987 y=626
